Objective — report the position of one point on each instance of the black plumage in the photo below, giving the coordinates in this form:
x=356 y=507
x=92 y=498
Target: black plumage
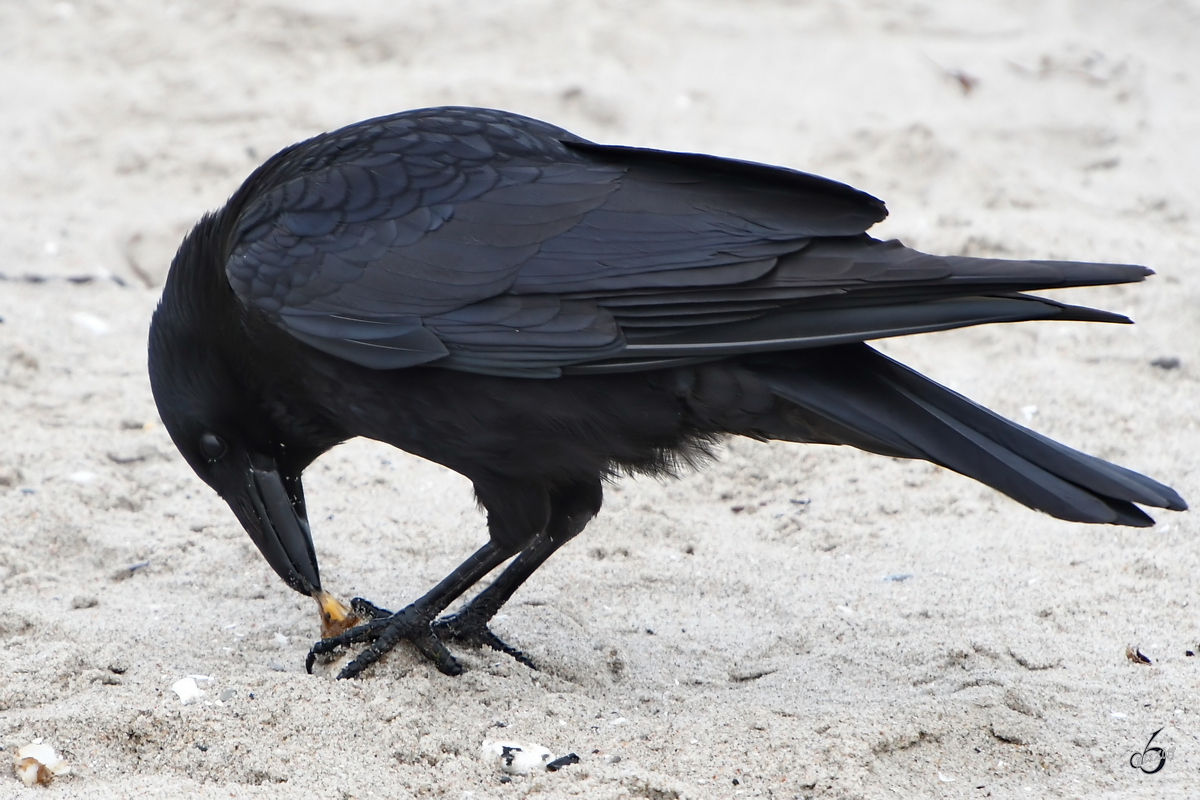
x=540 y=313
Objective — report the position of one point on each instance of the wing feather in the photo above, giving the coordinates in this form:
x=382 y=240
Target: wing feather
x=488 y=242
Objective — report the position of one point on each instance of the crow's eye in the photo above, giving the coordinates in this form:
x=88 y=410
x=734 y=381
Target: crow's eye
x=212 y=446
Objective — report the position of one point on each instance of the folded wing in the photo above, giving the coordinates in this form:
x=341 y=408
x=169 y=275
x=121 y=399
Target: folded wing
x=487 y=242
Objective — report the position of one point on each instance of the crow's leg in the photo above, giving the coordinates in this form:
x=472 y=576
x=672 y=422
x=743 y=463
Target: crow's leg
x=385 y=631
x=572 y=508
x=469 y=624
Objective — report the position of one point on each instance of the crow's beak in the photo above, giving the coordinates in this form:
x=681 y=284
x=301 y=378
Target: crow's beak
x=277 y=523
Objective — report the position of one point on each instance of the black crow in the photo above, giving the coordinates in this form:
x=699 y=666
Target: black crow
x=541 y=313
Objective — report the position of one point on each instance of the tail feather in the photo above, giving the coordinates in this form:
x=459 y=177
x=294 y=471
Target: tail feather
x=854 y=395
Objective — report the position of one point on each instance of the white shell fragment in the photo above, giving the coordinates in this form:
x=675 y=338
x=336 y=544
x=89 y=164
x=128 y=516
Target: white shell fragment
x=90 y=323
x=517 y=758
x=38 y=763
x=187 y=690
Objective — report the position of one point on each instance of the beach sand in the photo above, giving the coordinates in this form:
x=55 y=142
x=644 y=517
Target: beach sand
x=793 y=621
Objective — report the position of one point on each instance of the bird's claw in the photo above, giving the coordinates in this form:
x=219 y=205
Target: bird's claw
x=468 y=629
x=368 y=610
x=384 y=631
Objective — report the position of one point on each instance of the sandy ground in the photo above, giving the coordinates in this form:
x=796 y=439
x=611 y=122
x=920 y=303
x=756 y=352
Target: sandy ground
x=742 y=632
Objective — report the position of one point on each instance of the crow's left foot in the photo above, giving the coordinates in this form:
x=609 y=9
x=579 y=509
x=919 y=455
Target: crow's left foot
x=471 y=630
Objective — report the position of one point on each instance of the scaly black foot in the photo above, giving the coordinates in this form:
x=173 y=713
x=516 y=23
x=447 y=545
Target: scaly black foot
x=471 y=630
x=384 y=631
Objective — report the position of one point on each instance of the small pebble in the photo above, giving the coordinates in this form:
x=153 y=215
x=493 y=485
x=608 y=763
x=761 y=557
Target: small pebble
x=1134 y=654
x=9 y=476
x=126 y=572
x=562 y=761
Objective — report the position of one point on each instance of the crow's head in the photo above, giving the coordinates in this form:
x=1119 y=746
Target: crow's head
x=216 y=417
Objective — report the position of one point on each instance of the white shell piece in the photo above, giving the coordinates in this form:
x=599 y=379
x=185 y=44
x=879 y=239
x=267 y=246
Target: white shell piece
x=38 y=763
x=517 y=758
x=187 y=690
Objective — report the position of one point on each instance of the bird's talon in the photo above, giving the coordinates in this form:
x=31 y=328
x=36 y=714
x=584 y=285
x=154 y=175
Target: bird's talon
x=365 y=608
x=466 y=630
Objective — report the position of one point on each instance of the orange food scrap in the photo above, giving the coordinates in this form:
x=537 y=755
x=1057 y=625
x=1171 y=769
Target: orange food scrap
x=336 y=617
